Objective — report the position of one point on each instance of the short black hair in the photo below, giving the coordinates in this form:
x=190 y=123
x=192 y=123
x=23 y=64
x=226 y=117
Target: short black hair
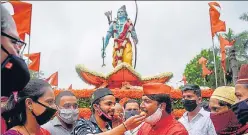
x=162 y=98
x=195 y=88
x=223 y=103
x=131 y=101
x=62 y=94
x=15 y=110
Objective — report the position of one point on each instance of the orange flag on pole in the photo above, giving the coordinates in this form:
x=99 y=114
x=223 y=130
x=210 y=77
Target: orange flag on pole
x=205 y=70
x=70 y=87
x=223 y=43
x=35 y=58
x=202 y=60
x=53 y=79
x=216 y=24
x=22 y=17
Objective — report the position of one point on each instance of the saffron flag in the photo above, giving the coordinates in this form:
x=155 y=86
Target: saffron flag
x=70 y=87
x=53 y=79
x=223 y=43
x=35 y=64
x=22 y=17
x=205 y=71
x=202 y=60
x=216 y=24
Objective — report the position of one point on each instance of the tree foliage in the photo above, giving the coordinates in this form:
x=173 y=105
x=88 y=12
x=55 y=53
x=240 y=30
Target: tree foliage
x=244 y=17
x=36 y=75
x=240 y=45
x=193 y=70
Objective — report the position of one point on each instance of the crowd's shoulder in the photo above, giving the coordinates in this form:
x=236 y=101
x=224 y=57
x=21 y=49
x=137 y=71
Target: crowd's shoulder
x=83 y=126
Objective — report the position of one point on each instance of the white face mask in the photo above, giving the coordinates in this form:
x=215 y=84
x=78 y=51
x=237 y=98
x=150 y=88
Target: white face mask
x=69 y=116
x=155 y=117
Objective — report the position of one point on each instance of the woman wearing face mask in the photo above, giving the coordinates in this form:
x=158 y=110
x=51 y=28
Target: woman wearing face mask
x=30 y=108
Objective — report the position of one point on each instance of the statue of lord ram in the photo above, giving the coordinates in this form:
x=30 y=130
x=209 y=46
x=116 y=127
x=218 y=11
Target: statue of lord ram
x=120 y=29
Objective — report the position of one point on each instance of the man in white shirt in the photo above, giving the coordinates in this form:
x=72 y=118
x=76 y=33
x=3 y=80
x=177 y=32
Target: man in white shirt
x=196 y=120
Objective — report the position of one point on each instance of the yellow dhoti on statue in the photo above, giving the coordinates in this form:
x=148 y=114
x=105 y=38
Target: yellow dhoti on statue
x=127 y=55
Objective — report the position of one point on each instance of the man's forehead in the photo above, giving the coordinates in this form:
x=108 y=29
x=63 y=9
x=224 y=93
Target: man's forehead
x=109 y=98
x=188 y=92
x=68 y=98
x=145 y=98
x=13 y=33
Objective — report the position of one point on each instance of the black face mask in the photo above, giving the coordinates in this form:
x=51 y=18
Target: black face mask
x=14 y=73
x=241 y=111
x=46 y=115
x=131 y=113
x=104 y=116
x=189 y=105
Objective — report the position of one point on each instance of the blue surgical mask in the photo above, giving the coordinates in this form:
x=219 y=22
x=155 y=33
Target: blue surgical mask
x=130 y=113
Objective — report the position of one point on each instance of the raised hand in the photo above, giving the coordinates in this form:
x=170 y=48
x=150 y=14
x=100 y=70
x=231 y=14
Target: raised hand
x=134 y=121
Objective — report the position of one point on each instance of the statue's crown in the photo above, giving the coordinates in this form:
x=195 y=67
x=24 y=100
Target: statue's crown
x=123 y=7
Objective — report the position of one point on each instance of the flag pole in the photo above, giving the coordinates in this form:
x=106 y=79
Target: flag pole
x=39 y=69
x=205 y=81
x=29 y=33
x=224 y=78
x=215 y=71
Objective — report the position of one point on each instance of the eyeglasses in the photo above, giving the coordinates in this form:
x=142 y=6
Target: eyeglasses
x=19 y=43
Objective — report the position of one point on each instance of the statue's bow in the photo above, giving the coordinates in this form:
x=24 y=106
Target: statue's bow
x=135 y=46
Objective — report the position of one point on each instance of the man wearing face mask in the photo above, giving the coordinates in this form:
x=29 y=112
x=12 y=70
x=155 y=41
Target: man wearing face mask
x=196 y=120
x=67 y=114
x=241 y=91
x=132 y=108
x=222 y=116
x=156 y=103
x=14 y=71
x=102 y=105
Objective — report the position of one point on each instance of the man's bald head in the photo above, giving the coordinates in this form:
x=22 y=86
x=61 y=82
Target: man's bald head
x=7 y=22
x=8 y=27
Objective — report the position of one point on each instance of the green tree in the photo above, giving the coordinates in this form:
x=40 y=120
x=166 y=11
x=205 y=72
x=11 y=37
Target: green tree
x=244 y=17
x=36 y=75
x=237 y=54
x=193 y=70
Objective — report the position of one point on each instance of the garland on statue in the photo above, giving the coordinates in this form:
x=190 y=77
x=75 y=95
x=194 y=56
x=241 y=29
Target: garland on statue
x=121 y=41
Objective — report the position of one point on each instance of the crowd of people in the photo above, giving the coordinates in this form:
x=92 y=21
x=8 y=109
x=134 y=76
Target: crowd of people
x=29 y=107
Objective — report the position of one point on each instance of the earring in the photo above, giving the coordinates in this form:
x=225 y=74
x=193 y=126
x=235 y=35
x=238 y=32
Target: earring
x=30 y=108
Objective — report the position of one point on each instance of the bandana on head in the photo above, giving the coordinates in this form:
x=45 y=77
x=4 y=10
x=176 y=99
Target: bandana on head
x=243 y=75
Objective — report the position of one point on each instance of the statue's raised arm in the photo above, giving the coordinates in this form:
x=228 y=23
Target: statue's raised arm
x=108 y=36
x=121 y=28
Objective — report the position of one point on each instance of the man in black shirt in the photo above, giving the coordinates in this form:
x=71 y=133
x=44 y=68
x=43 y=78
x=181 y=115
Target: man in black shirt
x=102 y=105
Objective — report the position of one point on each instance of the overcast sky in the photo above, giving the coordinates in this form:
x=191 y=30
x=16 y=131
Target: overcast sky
x=170 y=34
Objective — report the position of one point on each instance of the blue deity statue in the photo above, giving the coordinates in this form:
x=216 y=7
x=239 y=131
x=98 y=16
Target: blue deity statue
x=121 y=29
